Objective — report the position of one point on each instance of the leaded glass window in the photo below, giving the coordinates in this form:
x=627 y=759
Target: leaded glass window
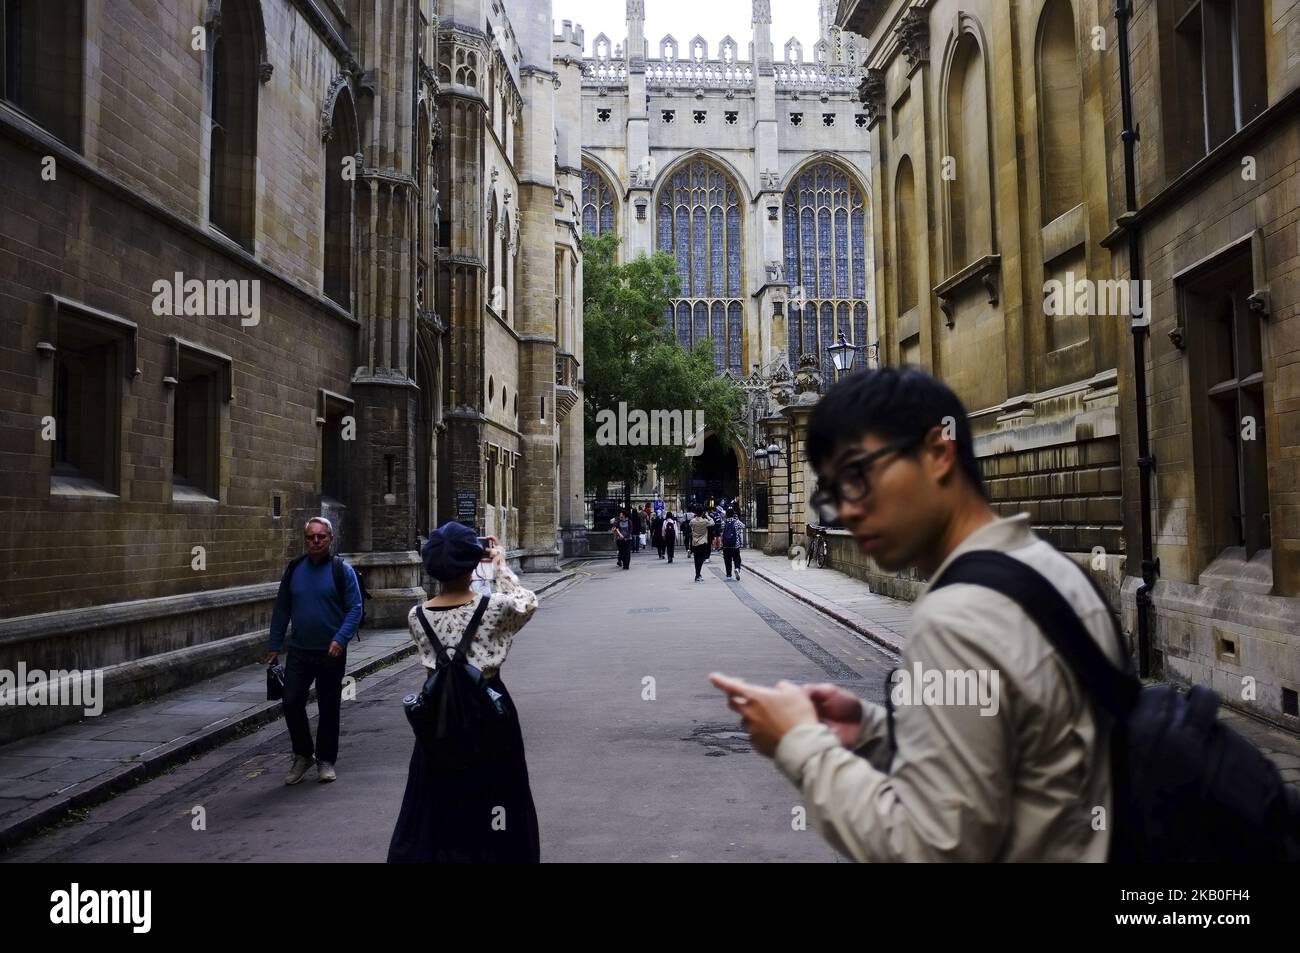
x=699 y=224
x=597 y=203
x=825 y=264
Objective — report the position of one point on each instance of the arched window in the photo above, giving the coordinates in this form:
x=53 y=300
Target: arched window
x=970 y=206
x=507 y=268
x=1059 y=97
x=232 y=151
x=825 y=264
x=597 y=203
x=905 y=246
x=340 y=148
x=699 y=224
x=493 y=280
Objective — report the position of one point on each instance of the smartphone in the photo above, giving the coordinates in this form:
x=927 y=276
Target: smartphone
x=486 y=543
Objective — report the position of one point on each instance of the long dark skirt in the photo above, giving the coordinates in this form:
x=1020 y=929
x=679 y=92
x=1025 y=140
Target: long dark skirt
x=483 y=815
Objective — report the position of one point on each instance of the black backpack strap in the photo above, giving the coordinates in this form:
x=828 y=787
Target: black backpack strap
x=1115 y=691
x=470 y=629
x=340 y=581
x=439 y=650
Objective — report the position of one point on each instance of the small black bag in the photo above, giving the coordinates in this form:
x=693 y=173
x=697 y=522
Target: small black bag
x=275 y=682
x=458 y=719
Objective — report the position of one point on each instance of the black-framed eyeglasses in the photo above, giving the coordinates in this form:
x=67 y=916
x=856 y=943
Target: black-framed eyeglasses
x=852 y=482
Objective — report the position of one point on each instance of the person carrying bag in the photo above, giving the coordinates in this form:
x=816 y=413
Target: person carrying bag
x=468 y=797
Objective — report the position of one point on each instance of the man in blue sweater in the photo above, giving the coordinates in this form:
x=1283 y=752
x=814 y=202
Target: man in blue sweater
x=323 y=624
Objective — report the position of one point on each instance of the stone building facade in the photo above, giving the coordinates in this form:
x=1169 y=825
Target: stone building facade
x=216 y=248
x=753 y=172
x=1006 y=128
x=510 y=277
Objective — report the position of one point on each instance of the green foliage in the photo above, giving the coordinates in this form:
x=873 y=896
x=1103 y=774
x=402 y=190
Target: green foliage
x=629 y=356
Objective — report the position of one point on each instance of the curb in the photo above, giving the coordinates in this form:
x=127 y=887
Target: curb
x=46 y=813
x=884 y=640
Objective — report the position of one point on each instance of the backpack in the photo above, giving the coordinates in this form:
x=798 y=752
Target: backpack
x=459 y=721
x=340 y=584
x=670 y=529
x=731 y=533
x=1186 y=787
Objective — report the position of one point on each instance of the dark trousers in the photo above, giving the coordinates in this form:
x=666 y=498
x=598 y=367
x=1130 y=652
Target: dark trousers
x=701 y=553
x=303 y=667
x=730 y=553
x=625 y=553
x=669 y=546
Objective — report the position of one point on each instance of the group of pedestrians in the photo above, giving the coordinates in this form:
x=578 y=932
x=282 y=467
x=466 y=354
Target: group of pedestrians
x=705 y=530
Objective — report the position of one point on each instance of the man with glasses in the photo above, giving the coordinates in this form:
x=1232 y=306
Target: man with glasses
x=319 y=594
x=1024 y=775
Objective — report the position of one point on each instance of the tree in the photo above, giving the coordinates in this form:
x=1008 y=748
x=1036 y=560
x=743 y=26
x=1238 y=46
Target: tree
x=630 y=357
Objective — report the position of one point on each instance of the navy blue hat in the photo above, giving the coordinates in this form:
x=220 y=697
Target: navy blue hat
x=452 y=550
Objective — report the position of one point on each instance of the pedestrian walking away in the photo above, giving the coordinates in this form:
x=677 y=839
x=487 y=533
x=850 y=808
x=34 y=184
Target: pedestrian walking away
x=732 y=540
x=1011 y=772
x=452 y=816
x=319 y=605
x=623 y=539
x=701 y=532
x=669 y=535
x=657 y=534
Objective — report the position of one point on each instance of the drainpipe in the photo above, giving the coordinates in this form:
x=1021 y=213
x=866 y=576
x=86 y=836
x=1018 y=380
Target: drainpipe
x=1145 y=461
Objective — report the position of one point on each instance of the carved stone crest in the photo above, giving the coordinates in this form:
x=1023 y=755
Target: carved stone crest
x=914 y=36
x=872 y=93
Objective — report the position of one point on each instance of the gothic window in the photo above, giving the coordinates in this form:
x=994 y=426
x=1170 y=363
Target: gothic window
x=597 y=203
x=825 y=243
x=232 y=156
x=41 y=60
x=796 y=119
x=339 y=152
x=699 y=224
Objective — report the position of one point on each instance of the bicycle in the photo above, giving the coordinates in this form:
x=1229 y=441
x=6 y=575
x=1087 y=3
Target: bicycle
x=820 y=547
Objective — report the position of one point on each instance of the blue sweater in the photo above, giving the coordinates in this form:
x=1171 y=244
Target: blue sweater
x=312 y=603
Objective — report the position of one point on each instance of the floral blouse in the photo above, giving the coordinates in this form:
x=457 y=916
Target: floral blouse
x=509 y=607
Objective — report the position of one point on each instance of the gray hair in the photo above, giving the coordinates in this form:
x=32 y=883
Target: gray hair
x=320 y=519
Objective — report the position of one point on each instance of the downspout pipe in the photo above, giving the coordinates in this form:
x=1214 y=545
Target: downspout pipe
x=1139 y=327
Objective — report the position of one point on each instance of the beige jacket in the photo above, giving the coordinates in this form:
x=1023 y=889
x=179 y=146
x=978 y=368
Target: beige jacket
x=1022 y=784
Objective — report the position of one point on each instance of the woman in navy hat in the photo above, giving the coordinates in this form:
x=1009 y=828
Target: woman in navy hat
x=482 y=814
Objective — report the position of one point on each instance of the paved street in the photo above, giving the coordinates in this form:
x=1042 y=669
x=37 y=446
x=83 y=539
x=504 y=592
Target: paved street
x=616 y=777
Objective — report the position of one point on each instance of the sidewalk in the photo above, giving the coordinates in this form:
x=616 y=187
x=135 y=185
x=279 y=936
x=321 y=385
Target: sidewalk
x=886 y=621
x=44 y=777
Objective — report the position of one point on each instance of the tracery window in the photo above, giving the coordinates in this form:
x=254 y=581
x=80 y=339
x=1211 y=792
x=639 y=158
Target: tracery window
x=699 y=224
x=597 y=203
x=825 y=264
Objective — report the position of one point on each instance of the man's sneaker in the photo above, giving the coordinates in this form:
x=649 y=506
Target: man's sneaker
x=325 y=772
x=300 y=766
x=737 y=572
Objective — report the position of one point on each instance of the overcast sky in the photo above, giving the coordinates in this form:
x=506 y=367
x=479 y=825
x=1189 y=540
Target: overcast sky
x=711 y=19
